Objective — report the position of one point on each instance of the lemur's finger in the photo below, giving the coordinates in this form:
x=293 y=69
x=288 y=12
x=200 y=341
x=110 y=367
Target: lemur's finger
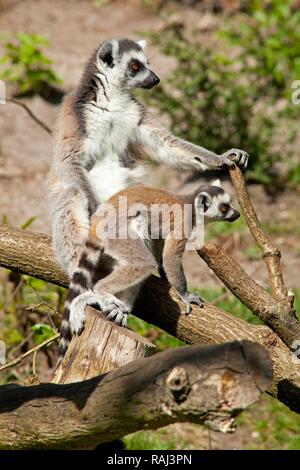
x=229 y=162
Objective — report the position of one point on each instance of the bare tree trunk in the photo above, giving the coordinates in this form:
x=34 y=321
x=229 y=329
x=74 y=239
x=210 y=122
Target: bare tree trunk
x=208 y=385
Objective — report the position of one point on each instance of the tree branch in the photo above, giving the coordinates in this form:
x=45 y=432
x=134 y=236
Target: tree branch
x=19 y=359
x=206 y=385
x=278 y=315
x=31 y=114
x=31 y=253
x=271 y=254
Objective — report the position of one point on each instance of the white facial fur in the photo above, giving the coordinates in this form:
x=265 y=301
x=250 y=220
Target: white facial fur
x=118 y=75
x=217 y=183
x=213 y=203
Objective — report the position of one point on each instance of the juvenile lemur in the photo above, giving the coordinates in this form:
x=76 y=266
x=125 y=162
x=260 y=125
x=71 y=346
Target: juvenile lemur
x=127 y=258
x=100 y=134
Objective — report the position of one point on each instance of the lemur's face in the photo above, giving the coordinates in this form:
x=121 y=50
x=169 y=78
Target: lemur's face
x=125 y=64
x=215 y=204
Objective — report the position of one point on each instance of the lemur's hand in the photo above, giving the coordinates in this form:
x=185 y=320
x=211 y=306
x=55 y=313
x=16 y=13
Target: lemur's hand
x=236 y=156
x=190 y=298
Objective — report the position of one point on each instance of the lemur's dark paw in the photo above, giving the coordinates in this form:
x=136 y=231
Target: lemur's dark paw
x=237 y=156
x=191 y=298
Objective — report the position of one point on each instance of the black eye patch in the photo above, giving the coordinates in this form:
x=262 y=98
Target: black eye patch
x=224 y=208
x=135 y=66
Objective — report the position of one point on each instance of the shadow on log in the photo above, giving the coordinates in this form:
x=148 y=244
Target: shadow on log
x=206 y=385
x=31 y=253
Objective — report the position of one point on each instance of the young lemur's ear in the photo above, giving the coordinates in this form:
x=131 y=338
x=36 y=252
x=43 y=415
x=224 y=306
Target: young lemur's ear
x=106 y=54
x=142 y=43
x=217 y=183
x=203 y=201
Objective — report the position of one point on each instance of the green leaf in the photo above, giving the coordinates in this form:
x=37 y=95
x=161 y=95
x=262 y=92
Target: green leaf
x=42 y=332
x=28 y=223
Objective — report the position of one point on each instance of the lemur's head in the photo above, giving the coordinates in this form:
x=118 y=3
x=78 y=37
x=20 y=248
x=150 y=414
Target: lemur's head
x=215 y=204
x=124 y=64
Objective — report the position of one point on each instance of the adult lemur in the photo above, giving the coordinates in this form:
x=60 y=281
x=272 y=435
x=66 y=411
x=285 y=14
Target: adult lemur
x=150 y=232
x=101 y=131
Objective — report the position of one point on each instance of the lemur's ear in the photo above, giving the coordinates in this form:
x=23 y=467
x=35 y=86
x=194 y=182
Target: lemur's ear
x=142 y=43
x=106 y=54
x=217 y=183
x=203 y=201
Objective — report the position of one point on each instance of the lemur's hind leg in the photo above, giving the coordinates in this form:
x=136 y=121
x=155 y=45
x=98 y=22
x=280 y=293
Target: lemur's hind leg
x=135 y=263
x=70 y=227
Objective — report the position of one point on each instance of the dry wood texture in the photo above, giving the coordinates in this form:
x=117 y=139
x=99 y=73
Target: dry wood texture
x=102 y=347
x=28 y=253
x=207 y=385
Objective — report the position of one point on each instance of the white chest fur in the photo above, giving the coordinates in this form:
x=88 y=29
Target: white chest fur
x=109 y=134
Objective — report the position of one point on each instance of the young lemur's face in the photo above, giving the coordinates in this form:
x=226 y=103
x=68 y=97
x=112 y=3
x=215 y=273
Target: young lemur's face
x=215 y=204
x=124 y=64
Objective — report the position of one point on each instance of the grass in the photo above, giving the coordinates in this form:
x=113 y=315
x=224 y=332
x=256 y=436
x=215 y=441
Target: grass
x=225 y=228
x=273 y=425
x=150 y=440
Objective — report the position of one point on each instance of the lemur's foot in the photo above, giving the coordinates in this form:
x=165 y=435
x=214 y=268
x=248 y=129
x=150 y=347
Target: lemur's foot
x=191 y=298
x=77 y=311
x=114 y=309
x=237 y=156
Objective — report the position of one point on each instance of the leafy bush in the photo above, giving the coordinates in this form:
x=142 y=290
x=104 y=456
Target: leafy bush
x=26 y=64
x=269 y=44
x=221 y=102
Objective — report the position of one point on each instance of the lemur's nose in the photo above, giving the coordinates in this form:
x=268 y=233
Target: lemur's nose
x=155 y=79
x=235 y=215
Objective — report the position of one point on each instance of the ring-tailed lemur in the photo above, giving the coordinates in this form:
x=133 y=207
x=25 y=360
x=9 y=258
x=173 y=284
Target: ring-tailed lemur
x=129 y=260
x=101 y=132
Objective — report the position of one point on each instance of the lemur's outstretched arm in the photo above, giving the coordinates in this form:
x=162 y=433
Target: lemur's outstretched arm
x=161 y=145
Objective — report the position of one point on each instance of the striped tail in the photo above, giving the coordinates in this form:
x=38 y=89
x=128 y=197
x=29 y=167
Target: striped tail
x=81 y=283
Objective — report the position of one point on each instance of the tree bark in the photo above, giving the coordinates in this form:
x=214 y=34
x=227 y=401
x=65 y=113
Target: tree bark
x=102 y=347
x=206 y=385
x=271 y=254
x=158 y=304
x=277 y=314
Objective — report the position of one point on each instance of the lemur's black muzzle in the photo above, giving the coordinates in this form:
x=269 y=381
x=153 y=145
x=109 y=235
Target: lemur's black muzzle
x=150 y=81
x=234 y=215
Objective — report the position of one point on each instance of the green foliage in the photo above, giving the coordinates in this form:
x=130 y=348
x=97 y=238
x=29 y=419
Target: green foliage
x=158 y=337
x=26 y=65
x=275 y=426
x=269 y=45
x=230 y=303
x=148 y=440
x=42 y=332
x=253 y=253
x=28 y=223
x=221 y=102
x=294 y=174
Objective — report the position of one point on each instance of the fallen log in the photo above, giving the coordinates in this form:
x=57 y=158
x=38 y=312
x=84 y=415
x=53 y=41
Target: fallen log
x=206 y=385
x=31 y=253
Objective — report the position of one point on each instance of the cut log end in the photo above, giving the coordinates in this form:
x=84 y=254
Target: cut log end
x=102 y=347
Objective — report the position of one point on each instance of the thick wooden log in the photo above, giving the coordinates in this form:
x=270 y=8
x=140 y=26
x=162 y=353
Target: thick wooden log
x=206 y=385
x=102 y=347
x=158 y=304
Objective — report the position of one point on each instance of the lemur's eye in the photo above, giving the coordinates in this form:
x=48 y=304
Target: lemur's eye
x=224 y=208
x=135 y=66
